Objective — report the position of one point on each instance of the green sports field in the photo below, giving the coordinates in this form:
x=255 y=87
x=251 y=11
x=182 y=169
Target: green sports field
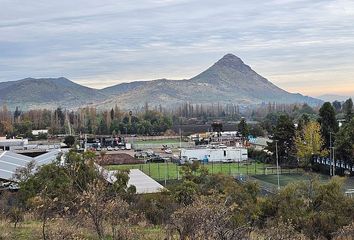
x=286 y=178
x=170 y=171
x=263 y=173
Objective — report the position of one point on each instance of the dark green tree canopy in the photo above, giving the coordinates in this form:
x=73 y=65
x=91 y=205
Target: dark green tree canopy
x=284 y=134
x=348 y=109
x=69 y=141
x=344 y=143
x=243 y=127
x=328 y=123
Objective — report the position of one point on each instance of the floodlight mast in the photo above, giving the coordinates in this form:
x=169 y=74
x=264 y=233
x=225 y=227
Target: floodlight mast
x=276 y=152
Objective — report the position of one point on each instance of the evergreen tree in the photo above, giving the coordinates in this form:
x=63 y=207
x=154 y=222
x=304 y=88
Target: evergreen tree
x=328 y=123
x=337 y=105
x=243 y=128
x=348 y=109
x=344 y=143
x=284 y=134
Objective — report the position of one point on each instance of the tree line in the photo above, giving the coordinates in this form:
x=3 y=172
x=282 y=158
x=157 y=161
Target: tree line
x=84 y=120
x=298 y=141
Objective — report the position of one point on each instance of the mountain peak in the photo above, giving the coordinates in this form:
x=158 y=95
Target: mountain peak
x=233 y=62
x=230 y=60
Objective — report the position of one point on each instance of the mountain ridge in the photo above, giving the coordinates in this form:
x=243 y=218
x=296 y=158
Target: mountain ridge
x=229 y=80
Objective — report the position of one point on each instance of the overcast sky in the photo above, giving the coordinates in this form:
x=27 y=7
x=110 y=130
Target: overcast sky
x=304 y=46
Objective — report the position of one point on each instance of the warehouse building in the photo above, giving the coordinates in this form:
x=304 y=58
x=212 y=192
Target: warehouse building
x=12 y=144
x=11 y=161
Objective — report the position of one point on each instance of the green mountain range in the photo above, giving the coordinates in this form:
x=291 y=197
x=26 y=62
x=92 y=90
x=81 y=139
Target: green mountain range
x=229 y=80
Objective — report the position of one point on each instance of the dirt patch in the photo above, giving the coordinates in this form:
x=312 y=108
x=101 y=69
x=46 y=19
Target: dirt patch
x=116 y=159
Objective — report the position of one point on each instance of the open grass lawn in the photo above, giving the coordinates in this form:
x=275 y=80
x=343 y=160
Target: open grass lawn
x=171 y=171
x=270 y=181
x=160 y=171
x=286 y=178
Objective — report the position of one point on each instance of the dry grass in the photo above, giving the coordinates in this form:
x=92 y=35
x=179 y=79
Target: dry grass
x=63 y=229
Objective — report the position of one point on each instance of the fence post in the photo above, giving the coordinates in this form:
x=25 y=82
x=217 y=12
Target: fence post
x=149 y=169
x=247 y=167
x=165 y=173
x=264 y=168
x=168 y=175
x=255 y=168
x=158 y=169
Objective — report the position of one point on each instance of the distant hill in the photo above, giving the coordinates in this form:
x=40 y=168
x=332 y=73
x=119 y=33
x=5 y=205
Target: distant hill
x=47 y=93
x=332 y=97
x=229 y=80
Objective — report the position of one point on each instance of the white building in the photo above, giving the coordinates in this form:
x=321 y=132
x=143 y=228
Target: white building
x=224 y=154
x=41 y=131
x=12 y=144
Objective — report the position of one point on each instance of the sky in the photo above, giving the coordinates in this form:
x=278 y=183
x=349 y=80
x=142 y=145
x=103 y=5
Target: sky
x=304 y=46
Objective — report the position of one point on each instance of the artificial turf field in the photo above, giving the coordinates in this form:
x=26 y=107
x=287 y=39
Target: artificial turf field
x=257 y=171
x=171 y=171
x=285 y=179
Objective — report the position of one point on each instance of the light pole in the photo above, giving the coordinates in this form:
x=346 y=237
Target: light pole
x=180 y=138
x=276 y=152
x=331 y=157
x=334 y=163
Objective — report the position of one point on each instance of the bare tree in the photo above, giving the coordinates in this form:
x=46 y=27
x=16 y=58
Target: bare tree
x=207 y=218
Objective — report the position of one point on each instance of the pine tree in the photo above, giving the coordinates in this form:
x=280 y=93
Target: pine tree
x=284 y=135
x=348 y=109
x=328 y=122
x=243 y=128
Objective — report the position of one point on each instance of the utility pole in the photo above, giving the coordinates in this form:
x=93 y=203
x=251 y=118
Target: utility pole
x=180 y=138
x=276 y=152
x=165 y=172
x=334 y=163
x=330 y=154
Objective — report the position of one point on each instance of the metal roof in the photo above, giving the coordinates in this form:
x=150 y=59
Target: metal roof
x=142 y=182
x=10 y=161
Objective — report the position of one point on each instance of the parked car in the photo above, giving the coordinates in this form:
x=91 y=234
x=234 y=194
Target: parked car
x=141 y=155
x=168 y=151
x=116 y=148
x=150 y=152
x=109 y=148
x=175 y=159
x=156 y=159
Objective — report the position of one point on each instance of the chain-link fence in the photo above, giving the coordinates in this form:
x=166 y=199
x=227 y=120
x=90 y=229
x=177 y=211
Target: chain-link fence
x=171 y=171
